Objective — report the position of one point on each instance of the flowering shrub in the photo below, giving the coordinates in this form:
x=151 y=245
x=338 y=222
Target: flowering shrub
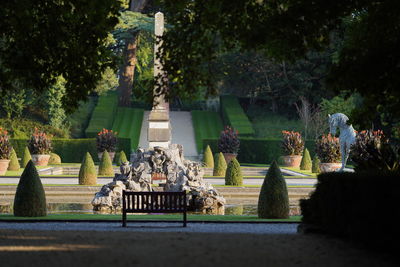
x=229 y=141
x=39 y=143
x=293 y=143
x=106 y=140
x=372 y=151
x=328 y=149
x=5 y=146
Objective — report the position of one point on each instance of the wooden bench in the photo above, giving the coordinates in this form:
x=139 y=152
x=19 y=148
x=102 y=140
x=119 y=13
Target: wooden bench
x=159 y=202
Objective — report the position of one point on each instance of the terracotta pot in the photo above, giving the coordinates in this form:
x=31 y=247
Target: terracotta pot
x=4 y=165
x=111 y=154
x=40 y=159
x=329 y=167
x=229 y=156
x=292 y=161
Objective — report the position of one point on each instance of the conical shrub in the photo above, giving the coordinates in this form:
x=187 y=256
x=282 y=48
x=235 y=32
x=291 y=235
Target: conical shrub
x=30 y=198
x=54 y=159
x=106 y=167
x=26 y=157
x=305 y=163
x=233 y=174
x=14 y=164
x=120 y=158
x=315 y=165
x=208 y=158
x=87 y=172
x=220 y=165
x=273 y=202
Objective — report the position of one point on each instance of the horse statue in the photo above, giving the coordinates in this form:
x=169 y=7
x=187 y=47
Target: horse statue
x=347 y=135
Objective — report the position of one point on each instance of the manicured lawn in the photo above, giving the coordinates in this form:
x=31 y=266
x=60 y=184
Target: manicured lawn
x=128 y=123
x=207 y=125
x=166 y=217
x=234 y=115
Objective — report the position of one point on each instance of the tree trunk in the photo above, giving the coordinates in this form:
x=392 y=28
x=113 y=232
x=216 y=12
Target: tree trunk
x=127 y=73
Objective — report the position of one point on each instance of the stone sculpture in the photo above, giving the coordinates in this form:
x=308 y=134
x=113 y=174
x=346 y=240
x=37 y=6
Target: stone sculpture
x=180 y=175
x=347 y=135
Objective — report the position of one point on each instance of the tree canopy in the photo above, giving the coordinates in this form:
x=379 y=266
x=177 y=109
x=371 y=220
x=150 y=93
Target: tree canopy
x=44 y=39
x=366 y=61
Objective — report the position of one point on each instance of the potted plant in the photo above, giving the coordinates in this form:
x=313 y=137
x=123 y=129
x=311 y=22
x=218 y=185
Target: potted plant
x=40 y=147
x=106 y=140
x=328 y=150
x=293 y=145
x=229 y=143
x=5 y=151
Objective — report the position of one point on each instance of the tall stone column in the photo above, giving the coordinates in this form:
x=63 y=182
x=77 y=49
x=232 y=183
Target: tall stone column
x=159 y=132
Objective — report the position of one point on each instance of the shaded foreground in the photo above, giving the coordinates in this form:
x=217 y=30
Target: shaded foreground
x=171 y=248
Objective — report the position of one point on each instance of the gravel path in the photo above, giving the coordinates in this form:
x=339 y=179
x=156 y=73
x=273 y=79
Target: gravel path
x=269 y=228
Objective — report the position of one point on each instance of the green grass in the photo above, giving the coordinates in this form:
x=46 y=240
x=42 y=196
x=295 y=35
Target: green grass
x=234 y=115
x=103 y=114
x=128 y=123
x=166 y=217
x=207 y=125
x=79 y=120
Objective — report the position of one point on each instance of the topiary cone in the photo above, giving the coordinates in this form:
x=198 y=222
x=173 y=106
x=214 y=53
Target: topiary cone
x=14 y=164
x=87 y=172
x=30 y=198
x=233 y=174
x=315 y=165
x=220 y=165
x=106 y=167
x=273 y=202
x=121 y=158
x=26 y=157
x=305 y=163
x=208 y=158
x=54 y=159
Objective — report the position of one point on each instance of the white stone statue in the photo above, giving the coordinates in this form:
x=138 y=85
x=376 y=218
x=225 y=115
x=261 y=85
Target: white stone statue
x=347 y=135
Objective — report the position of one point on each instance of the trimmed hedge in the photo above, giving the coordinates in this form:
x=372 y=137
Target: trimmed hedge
x=258 y=150
x=128 y=124
x=103 y=114
x=233 y=115
x=359 y=206
x=207 y=125
x=208 y=158
x=72 y=150
x=233 y=175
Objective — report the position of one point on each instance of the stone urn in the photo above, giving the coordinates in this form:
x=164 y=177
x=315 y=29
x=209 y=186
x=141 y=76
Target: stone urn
x=229 y=156
x=40 y=159
x=330 y=167
x=292 y=161
x=4 y=166
x=112 y=155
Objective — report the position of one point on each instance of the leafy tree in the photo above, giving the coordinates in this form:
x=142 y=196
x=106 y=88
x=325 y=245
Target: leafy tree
x=14 y=164
x=109 y=81
x=106 y=167
x=220 y=165
x=273 y=202
x=208 y=158
x=55 y=109
x=26 y=157
x=30 y=198
x=233 y=174
x=13 y=101
x=44 y=40
x=87 y=172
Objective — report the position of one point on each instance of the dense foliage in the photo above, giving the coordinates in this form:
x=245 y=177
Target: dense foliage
x=5 y=145
x=30 y=198
x=293 y=143
x=233 y=175
x=306 y=163
x=42 y=40
x=219 y=165
x=372 y=151
x=87 y=172
x=229 y=141
x=208 y=158
x=14 y=164
x=106 y=140
x=120 y=158
x=315 y=165
x=328 y=149
x=273 y=201
x=106 y=167
x=39 y=143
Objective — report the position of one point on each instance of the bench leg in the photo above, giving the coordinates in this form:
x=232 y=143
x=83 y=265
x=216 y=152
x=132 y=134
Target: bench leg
x=123 y=219
x=184 y=219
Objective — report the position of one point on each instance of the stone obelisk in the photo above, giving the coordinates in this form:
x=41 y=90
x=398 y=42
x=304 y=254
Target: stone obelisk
x=159 y=132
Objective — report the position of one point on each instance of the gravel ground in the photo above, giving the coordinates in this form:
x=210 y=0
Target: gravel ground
x=154 y=244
